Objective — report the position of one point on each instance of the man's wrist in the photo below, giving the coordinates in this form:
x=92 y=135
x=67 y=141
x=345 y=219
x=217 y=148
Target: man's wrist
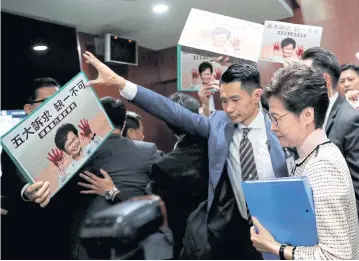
x=23 y=196
x=121 y=82
x=109 y=194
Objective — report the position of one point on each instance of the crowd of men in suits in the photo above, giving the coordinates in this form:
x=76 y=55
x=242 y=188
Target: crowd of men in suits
x=198 y=181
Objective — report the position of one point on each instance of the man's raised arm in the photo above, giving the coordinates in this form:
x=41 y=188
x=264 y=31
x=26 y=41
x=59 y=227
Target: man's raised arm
x=149 y=101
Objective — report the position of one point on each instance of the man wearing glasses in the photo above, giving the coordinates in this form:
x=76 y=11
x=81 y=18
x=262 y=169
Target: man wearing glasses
x=23 y=229
x=44 y=88
x=241 y=146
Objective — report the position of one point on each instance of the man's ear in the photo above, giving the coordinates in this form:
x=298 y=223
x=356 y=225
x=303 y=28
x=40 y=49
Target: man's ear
x=257 y=94
x=27 y=108
x=328 y=80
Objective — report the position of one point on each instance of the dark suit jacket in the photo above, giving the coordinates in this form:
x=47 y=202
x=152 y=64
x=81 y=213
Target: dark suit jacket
x=219 y=131
x=32 y=232
x=343 y=130
x=129 y=164
x=56 y=227
x=180 y=179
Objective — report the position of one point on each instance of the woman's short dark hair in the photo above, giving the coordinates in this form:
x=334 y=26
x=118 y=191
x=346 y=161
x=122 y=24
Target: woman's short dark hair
x=300 y=87
x=61 y=135
x=287 y=41
x=204 y=66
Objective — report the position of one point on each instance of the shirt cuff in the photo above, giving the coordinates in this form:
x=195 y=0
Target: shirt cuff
x=130 y=91
x=25 y=198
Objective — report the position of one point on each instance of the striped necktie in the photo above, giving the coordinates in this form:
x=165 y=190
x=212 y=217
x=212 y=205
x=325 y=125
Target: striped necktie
x=248 y=164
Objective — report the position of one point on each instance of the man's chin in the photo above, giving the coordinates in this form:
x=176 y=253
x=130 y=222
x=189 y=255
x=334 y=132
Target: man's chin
x=236 y=120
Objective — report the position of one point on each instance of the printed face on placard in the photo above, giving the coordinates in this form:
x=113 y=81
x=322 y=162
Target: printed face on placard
x=288 y=51
x=206 y=76
x=72 y=144
x=58 y=138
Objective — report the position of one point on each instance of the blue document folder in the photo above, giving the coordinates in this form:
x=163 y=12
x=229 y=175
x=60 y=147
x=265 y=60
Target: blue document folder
x=285 y=208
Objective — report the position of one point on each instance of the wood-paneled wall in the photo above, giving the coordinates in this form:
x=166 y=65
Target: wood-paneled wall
x=157 y=70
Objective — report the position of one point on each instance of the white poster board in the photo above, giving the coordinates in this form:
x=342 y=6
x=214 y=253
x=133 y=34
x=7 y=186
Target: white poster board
x=209 y=34
x=283 y=41
x=58 y=138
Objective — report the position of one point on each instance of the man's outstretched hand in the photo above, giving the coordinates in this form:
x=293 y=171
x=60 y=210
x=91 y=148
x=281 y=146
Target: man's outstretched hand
x=106 y=77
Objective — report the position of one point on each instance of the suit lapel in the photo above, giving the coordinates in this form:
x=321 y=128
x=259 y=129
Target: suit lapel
x=225 y=135
x=333 y=114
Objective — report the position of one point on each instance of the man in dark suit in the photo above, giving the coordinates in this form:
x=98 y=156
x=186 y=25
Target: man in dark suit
x=231 y=136
x=130 y=169
x=128 y=164
x=26 y=226
x=181 y=176
x=342 y=120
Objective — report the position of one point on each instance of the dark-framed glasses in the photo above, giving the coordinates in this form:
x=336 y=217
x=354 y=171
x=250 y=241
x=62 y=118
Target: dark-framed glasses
x=37 y=101
x=275 y=119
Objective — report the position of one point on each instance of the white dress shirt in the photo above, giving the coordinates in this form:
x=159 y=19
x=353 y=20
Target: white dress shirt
x=332 y=100
x=258 y=138
x=179 y=139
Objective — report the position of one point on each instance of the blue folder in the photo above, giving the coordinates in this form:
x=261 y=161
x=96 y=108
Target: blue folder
x=285 y=208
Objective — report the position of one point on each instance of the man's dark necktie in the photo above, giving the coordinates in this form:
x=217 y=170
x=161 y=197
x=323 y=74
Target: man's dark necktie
x=248 y=164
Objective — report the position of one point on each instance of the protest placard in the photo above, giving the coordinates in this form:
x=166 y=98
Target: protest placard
x=209 y=34
x=58 y=138
x=189 y=77
x=283 y=41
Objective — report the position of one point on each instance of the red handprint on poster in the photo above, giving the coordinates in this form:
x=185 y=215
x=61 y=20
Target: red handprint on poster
x=56 y=156
x=300 y=50
x=236 y=41
x=276 y=46
x=217 y=74
x=85 y=129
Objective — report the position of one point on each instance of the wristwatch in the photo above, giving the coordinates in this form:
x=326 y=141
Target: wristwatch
x=110 y=193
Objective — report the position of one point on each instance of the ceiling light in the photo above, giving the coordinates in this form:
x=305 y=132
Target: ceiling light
x=40 y=47
x=161 y=8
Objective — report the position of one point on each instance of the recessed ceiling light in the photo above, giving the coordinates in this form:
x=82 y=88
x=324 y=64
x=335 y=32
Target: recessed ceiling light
x=161 y=8
x=40 y=47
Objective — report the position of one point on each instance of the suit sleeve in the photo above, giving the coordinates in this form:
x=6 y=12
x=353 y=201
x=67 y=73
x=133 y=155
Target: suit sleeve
x=171 y=112
x=154 y=157
x=11 y=181
x=351 y=152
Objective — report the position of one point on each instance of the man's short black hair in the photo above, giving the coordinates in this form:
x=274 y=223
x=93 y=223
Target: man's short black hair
x=115 y=110
x=246 y=74
x=185 y=101
x=61 y=135
x=352 y=67
x=221 y=30
x=287 y=41
x=204 y=66
x=324 y=61
x=300 y=87
x=40 y=83
x=133 y=121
